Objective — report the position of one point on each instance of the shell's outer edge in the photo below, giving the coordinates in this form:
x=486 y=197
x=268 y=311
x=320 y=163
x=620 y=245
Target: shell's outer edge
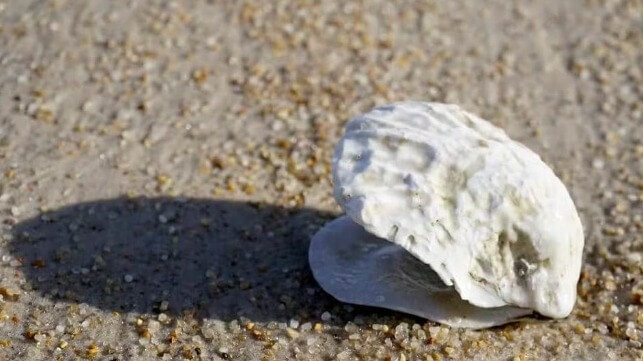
x=488 y=215
x=357 y=267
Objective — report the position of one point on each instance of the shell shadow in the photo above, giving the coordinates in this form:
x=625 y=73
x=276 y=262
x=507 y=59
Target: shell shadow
x=219 y=259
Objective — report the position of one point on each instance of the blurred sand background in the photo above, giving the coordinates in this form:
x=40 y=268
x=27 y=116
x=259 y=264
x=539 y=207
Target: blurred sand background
x=164 y=163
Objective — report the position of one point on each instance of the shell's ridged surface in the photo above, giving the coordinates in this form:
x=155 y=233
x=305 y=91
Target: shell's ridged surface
x=358 y=267
x=486 y=213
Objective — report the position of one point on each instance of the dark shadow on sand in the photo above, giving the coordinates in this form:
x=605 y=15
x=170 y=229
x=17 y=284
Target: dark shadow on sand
x=216 y=258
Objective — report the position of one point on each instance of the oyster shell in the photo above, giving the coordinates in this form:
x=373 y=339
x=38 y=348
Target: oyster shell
x=484 y=212
x=357 y=267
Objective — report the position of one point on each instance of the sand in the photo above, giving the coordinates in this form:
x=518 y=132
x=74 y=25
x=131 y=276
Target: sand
x=163 y=165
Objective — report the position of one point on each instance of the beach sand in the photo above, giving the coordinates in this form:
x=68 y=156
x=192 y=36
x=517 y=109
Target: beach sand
x=163 y=165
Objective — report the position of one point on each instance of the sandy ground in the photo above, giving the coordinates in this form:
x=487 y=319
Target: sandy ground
x=164 y=163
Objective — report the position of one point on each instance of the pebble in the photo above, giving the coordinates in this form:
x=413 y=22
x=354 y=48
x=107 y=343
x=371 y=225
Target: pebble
x=351 y=327
x=292 y=333
x=598 y=163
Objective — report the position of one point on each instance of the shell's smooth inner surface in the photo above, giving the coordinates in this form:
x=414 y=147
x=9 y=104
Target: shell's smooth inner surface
x=486 y=213
x=357 y=267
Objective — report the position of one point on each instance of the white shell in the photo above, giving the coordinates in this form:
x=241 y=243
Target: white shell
x=486 y=213
x=358 y=267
